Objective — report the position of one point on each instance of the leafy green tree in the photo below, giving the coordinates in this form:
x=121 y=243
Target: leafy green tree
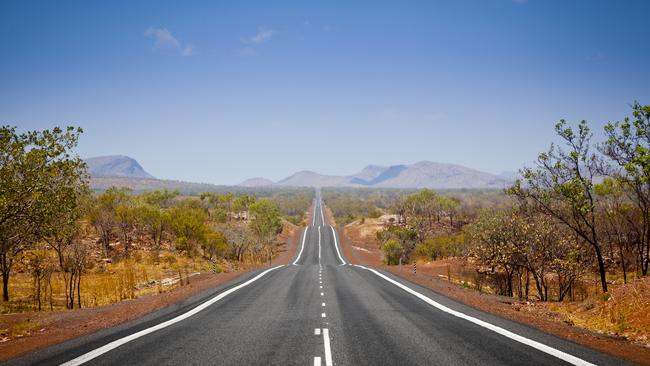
x=242 y=204
x=215 y=245
x=154 y=221
x=266 y=223
x=562 y=186
x=189 y=226
x=392 y=252
x=36 y=172
x=162 y=199
x=404 y=236
x=628 y=146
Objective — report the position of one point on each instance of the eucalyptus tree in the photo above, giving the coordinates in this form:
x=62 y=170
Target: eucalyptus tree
x=628 y=145
x=38 y=174
x=562 y=187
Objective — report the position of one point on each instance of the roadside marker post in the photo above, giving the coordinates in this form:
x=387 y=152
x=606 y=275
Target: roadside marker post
x=415 y=266
x=400 y=264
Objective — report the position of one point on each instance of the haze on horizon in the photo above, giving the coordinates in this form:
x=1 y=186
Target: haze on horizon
x=222 y=92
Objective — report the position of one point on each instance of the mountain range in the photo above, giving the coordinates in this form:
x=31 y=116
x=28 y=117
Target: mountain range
x=425 y=174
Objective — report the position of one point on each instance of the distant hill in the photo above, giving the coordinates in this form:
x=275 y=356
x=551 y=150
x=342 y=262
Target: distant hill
x=308 y=178
x=256 y=182
x=116 y=166
x=424 y=174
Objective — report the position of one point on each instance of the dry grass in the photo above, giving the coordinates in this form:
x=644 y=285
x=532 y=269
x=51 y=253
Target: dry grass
x=622 y=312
x=110 y=283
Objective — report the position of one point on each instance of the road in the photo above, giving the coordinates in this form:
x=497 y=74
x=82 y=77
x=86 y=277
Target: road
x=319 y=310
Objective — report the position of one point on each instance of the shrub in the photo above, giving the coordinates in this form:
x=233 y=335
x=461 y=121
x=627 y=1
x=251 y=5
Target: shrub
x=392 y=252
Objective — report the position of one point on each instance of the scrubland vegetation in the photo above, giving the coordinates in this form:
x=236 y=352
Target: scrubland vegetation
x=63 y=246
x=571 y=226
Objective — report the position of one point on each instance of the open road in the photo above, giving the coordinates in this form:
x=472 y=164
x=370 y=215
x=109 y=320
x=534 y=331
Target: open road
x=319 y=310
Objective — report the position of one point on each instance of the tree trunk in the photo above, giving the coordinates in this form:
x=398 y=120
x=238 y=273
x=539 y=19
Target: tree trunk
x=623 y=264
x=5 y=286
x=79 y=290
x=601 y=268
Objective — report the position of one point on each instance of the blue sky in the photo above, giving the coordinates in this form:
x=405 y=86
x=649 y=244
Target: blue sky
x=222 y=91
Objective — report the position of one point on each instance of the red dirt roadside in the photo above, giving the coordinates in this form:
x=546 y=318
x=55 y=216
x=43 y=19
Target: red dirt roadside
x=362 y=249
x=51 y=328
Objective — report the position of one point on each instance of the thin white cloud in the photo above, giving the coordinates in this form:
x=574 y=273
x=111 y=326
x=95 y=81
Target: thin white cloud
x=327 y=28
x=262 y=35
x=165 y=40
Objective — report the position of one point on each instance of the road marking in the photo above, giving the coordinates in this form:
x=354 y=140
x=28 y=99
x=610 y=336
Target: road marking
x=328 y=350
x=313 y=218
x=112 y=345
x=320 y=287
x=322 y=315
x=317 y=331
x=317 y=361
x=336 y=244
x=304 y=235
x=506 y=333
x=322 y=217
x=322 y=294
x=319 y=245
x=323 y=304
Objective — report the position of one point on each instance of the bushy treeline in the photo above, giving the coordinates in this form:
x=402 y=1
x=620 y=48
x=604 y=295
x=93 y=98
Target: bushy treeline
x=583 y=209
x=426 y=222
x=50 y=221
x=349 y=204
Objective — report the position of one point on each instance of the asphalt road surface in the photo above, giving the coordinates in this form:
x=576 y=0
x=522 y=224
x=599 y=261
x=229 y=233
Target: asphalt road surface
x=319 y=310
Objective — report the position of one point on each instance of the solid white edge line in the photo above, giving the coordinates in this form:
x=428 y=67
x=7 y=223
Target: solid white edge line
x=336 y=245
x=304 y=236
x=116 y=343
x=328 y=349
x=506 y=333
x=313 y=218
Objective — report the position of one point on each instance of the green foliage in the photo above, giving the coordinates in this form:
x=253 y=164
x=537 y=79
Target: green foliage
x=267 y=219
x=215 y=245
x=442 y=246
x=403 y=236
x=392 y=250
x=38 y=175
x=189 y=227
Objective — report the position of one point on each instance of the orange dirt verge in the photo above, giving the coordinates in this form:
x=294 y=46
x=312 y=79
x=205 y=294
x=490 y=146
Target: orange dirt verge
x=360 y=248
x=51 y=328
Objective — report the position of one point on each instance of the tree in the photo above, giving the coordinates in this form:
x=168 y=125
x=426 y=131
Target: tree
x=104 y=214
x=562 y=186
x=622 y=223
x=215 y=245
x=161 y=199
x=242 y=204
x=36 y=169
x=266 y=223
x=422 y=207
x=405 y=237
x=628 y=145
x=189 y=225
x=497 y=238
x=155 y=222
